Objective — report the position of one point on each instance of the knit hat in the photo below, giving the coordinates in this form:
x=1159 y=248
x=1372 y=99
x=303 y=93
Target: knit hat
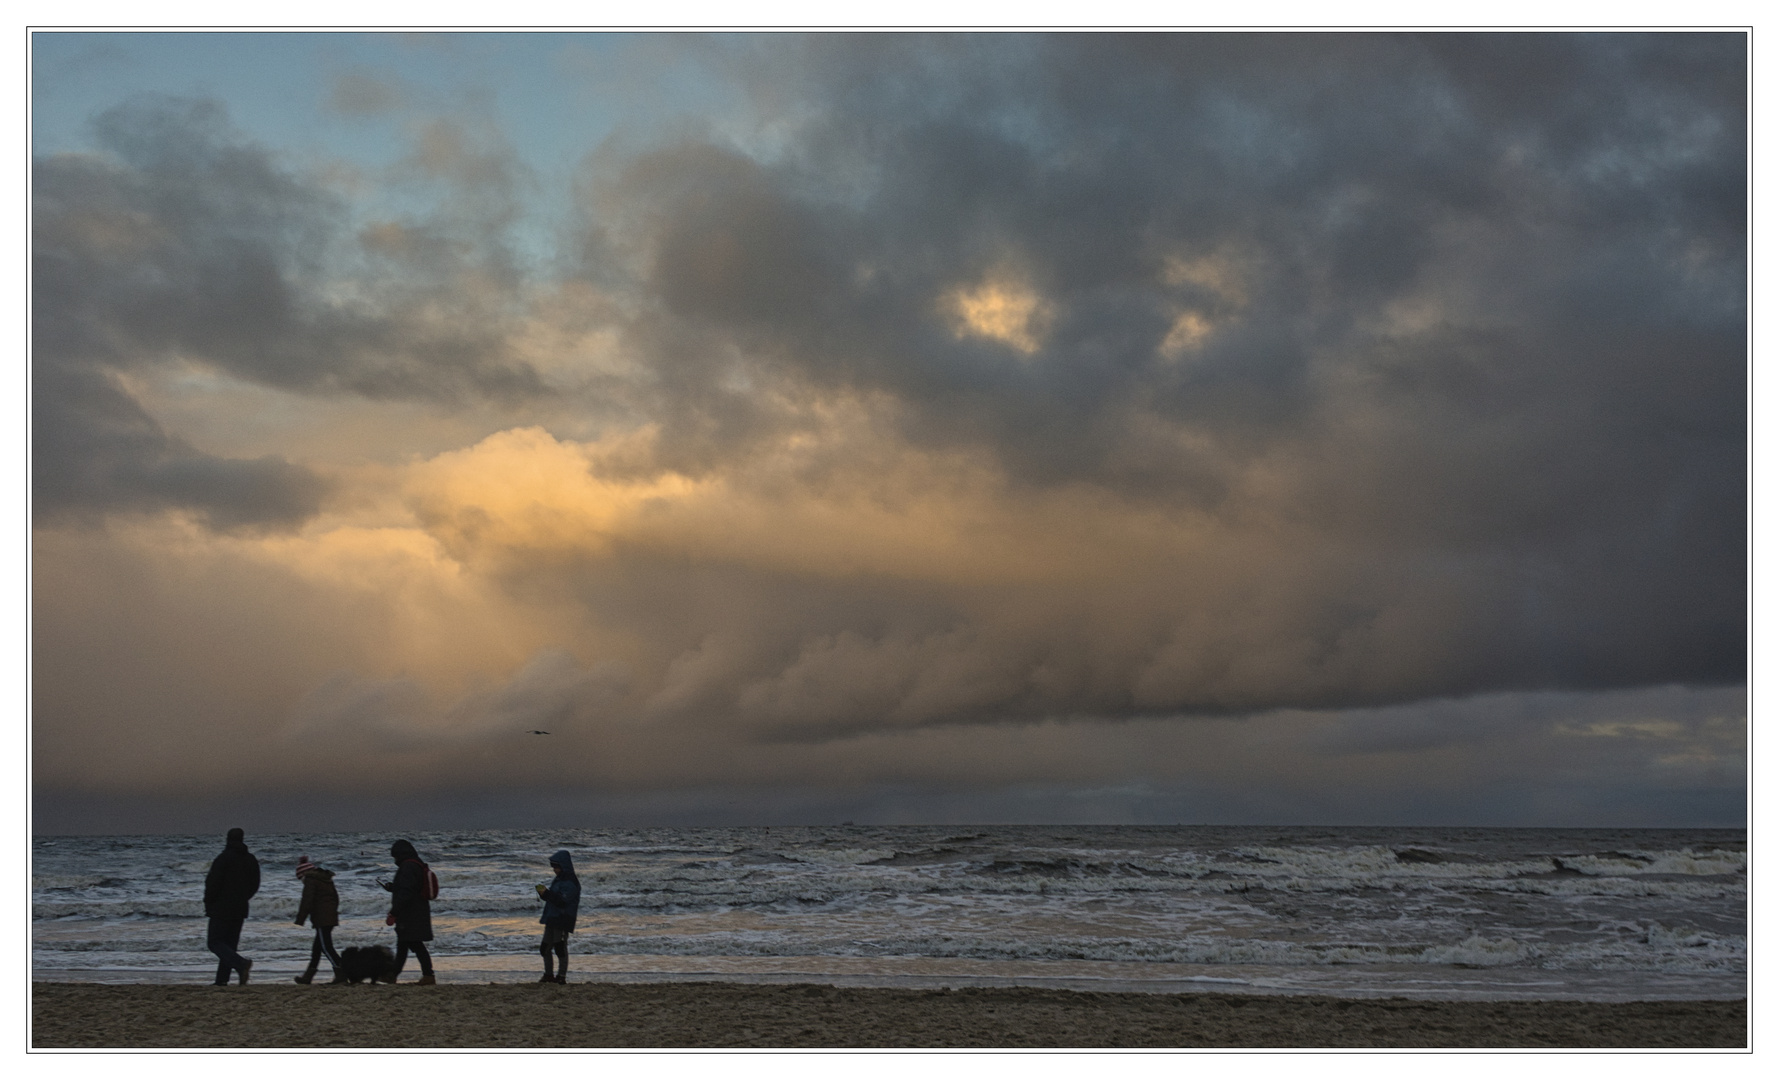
x=304 y=866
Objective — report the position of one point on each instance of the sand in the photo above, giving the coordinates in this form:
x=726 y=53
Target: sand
x=744 y=1015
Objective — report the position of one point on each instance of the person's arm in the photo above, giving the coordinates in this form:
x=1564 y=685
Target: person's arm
x=252 y=875
x=307 y=904
x=405 y=890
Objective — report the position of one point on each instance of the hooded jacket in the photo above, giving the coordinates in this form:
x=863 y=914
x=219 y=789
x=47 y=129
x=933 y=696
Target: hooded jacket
x=321 y=901
x=408 y=901
x=232 y=881
x=562 y=899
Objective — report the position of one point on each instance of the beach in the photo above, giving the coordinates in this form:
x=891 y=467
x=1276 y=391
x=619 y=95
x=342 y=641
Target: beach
x=711 y=1014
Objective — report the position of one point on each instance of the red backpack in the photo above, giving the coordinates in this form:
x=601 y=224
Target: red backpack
x=432 y=880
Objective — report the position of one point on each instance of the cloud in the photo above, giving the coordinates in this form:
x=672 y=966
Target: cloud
x=1478 y=355
x=1006 y=311
x=1346 y=392
x=181 y=246
x=551 y=691
x=95 y=451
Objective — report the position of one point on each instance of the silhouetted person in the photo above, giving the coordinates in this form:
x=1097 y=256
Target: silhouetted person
x=562 y=902
x=321 y=906
x=232 y=881
x=410 y=909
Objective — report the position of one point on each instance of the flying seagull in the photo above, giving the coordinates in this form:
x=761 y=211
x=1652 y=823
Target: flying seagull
x=540 y=733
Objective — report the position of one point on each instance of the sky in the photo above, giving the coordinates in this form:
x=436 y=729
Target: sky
x=1209 y=428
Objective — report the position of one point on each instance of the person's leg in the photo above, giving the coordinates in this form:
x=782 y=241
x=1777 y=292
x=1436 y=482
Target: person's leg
x=223 y=936
x=425 y=959
x=234 y=942
x=326 y=936
x=549 y=956
x=308 y=975
x=215 y=939
x=401 y=955
x=562 y=958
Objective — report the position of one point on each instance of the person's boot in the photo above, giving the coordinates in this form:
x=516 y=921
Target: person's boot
x=562 y=978
x=427 y=980
x=306 y=977
x=246 y=966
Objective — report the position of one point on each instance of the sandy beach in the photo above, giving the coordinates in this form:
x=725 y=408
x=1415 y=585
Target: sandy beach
x=608 y=1015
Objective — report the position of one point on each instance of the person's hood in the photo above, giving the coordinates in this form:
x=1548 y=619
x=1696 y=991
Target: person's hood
x=563 y=861
x=402 y=851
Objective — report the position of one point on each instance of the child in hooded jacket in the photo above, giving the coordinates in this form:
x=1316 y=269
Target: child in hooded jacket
x=321 y=906
x=562 y=902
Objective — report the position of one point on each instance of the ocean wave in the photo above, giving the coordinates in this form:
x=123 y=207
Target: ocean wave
x=139 y=907
x=64 y=882
x=1606 y=900
x=1583 y=885
x=123 y=909
x=927 y=857
x=1383 y=863
x=763 y=888
x=1476 y=951
x=841 y=856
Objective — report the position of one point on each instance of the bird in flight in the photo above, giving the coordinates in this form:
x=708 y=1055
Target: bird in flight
x=540 y=733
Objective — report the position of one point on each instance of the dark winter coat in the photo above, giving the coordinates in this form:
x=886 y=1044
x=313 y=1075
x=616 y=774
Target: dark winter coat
x=232 y=881
x=408 y=901
x=562 y=899
x=321 y=901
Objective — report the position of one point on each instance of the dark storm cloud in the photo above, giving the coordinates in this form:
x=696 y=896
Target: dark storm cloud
x=1476 y=301
x=1339 y=170
x=183 y=243
x=95 y=451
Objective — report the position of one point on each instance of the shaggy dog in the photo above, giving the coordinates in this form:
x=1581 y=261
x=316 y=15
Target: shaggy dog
x=372 y=963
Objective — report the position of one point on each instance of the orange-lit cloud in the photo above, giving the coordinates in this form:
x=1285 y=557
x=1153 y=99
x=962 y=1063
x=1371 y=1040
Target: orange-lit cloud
x=1220 y=292
x=1003 y=309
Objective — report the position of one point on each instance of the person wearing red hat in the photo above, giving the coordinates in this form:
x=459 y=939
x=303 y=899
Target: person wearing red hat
x=321 y=906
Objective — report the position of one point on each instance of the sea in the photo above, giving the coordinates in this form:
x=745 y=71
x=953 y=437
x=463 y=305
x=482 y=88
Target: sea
x=1436 y=913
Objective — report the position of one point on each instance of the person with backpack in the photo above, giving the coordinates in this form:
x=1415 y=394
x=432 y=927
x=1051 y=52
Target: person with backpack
x=562 y=902
x=321 y=906
x=410 y=908
x=231 y=882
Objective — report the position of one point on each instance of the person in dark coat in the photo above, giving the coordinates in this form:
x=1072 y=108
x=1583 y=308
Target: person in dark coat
x=410 y=909
x=321 y=906
x=232 y=881
x=562 y=902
